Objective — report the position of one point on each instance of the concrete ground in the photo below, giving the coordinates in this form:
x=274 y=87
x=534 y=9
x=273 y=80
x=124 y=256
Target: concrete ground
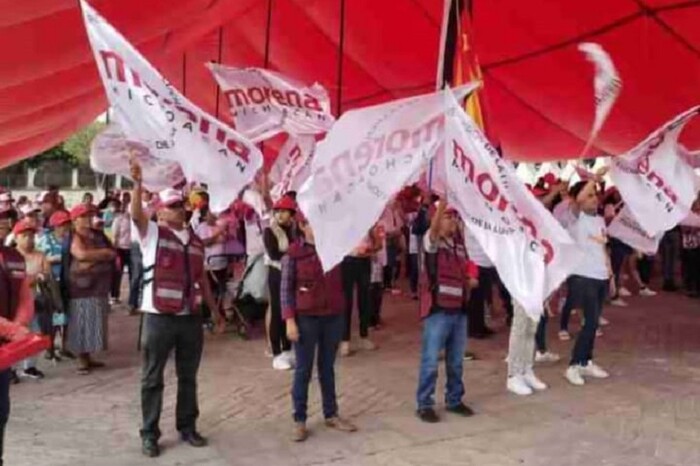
x=646 y=414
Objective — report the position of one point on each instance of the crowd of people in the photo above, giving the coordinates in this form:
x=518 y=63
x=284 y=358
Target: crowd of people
x=190 y=269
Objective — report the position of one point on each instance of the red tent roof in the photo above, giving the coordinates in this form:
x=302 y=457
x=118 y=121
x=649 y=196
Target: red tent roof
x=538 y=86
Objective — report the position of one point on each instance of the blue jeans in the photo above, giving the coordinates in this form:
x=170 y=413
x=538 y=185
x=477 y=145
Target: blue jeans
x=588 y=294
x=448 y=331
x=324 y=332
x=4 y=406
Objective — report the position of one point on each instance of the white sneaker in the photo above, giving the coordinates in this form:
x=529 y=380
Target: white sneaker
x=345 y=348
x=564 y=335
x=290 y=357
x=594 y=370
x=619 y=302
x=624 y=292
x=599 y=332
x=367 y=344
x=573 y=375
x=647 y=292
x=517 y=385
x=546 y=357
x=602 y=321
x=280 y=363
x=533 y=382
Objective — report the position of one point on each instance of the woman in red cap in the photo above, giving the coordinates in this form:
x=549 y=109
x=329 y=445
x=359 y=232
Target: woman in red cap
x=51 y=243
x=88 y=280
x=277 y=238
x=37 y=268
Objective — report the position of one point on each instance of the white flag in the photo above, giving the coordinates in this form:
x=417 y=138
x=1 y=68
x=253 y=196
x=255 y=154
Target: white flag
x=692 y=158
x=530 y=249
x=366 y=158
x=607 y=85
x=293 y=165
x=627 y=229
x=110 y=152
x=654 y=180
x=264 y=103
x=151 y=111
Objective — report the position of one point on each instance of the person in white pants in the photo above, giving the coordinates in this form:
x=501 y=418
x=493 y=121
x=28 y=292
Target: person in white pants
x=521 y=354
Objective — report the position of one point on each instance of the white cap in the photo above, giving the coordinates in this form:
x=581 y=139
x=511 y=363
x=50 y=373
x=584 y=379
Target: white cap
x=28 y=208
x=6 y=197
x=169 y=196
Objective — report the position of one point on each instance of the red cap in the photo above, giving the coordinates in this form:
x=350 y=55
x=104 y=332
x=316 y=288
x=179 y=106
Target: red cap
x=538 y=192
x=22 y=226
x=81 y=210
x=285 y=203
x=550 y=179
x=59 y=218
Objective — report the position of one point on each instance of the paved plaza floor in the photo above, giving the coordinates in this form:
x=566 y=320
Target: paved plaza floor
x=646 y=414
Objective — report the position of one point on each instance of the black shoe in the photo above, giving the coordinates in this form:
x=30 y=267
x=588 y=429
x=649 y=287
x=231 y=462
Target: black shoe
x=669 y=286
x=14 y=378
x=461 y=409
x=150 y=448
x=489 y=332
x=469 y=356
x=194 y=439
x=478 y=335
x=32 y=373
x=428 y=415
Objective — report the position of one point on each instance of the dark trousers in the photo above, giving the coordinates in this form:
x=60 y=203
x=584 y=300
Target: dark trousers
x=376 y=296
x=476 y=307
x=619 y=251
x=356 y=273
x=136 y=278
x=670 y=245
x=567 y=308
x=541 y=335
x=162 y=334
x=278 y=333
x=323 y=333
x=645 y=265
x=4 y=407
x=124 y=261
x=691 y=269
x=589 y=296
x=392 y=256
x=413 y=272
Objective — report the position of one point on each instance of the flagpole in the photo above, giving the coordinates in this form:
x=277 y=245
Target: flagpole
x=439 y=78
x=341 y=50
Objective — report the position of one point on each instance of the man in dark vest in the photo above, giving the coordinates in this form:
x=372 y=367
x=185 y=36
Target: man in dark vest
x=175 y=282
x=16 y=310
x=444 y=299
x=312 y=307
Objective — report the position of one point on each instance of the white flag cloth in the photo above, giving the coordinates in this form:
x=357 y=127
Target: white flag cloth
x=692 y=158
x=264 y=103
x=607 y=85
x=110 y=152
x=654 y=180
x=293 y=165
x=151 y=111
x=365 y=159
x=627 y=229
x=530 y=249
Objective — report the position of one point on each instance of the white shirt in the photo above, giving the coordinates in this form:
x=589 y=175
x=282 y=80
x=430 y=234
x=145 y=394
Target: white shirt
x=213 y=255
x=149 y=246
x=562 y=212
x=432 y=248
x=121 y=230
x=254 y=244
x=583 y=230
x=475 y=251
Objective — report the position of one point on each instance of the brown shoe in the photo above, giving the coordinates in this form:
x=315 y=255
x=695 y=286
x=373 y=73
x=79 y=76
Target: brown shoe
x=299 y=434
x=340 y=424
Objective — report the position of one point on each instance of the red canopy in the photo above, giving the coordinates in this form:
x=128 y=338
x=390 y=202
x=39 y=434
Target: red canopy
x=538 y=86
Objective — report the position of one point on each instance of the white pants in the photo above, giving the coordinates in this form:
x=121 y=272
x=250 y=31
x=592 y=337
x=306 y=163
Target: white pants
x=521 y=350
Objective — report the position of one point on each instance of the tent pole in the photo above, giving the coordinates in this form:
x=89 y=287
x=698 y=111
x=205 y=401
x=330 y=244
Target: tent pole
x=341 y=50
x=219 y=60
x=268 y=28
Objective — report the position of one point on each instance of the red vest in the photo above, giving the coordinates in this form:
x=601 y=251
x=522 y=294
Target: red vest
x=446 y=285
x=94 y=281
x=13 y=271
x=177 y=272
x=316 y=293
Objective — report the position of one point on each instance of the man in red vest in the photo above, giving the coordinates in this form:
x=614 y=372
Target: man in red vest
x=16 y=310
x=444 y=312
x=175 y=282
x=312 y=307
